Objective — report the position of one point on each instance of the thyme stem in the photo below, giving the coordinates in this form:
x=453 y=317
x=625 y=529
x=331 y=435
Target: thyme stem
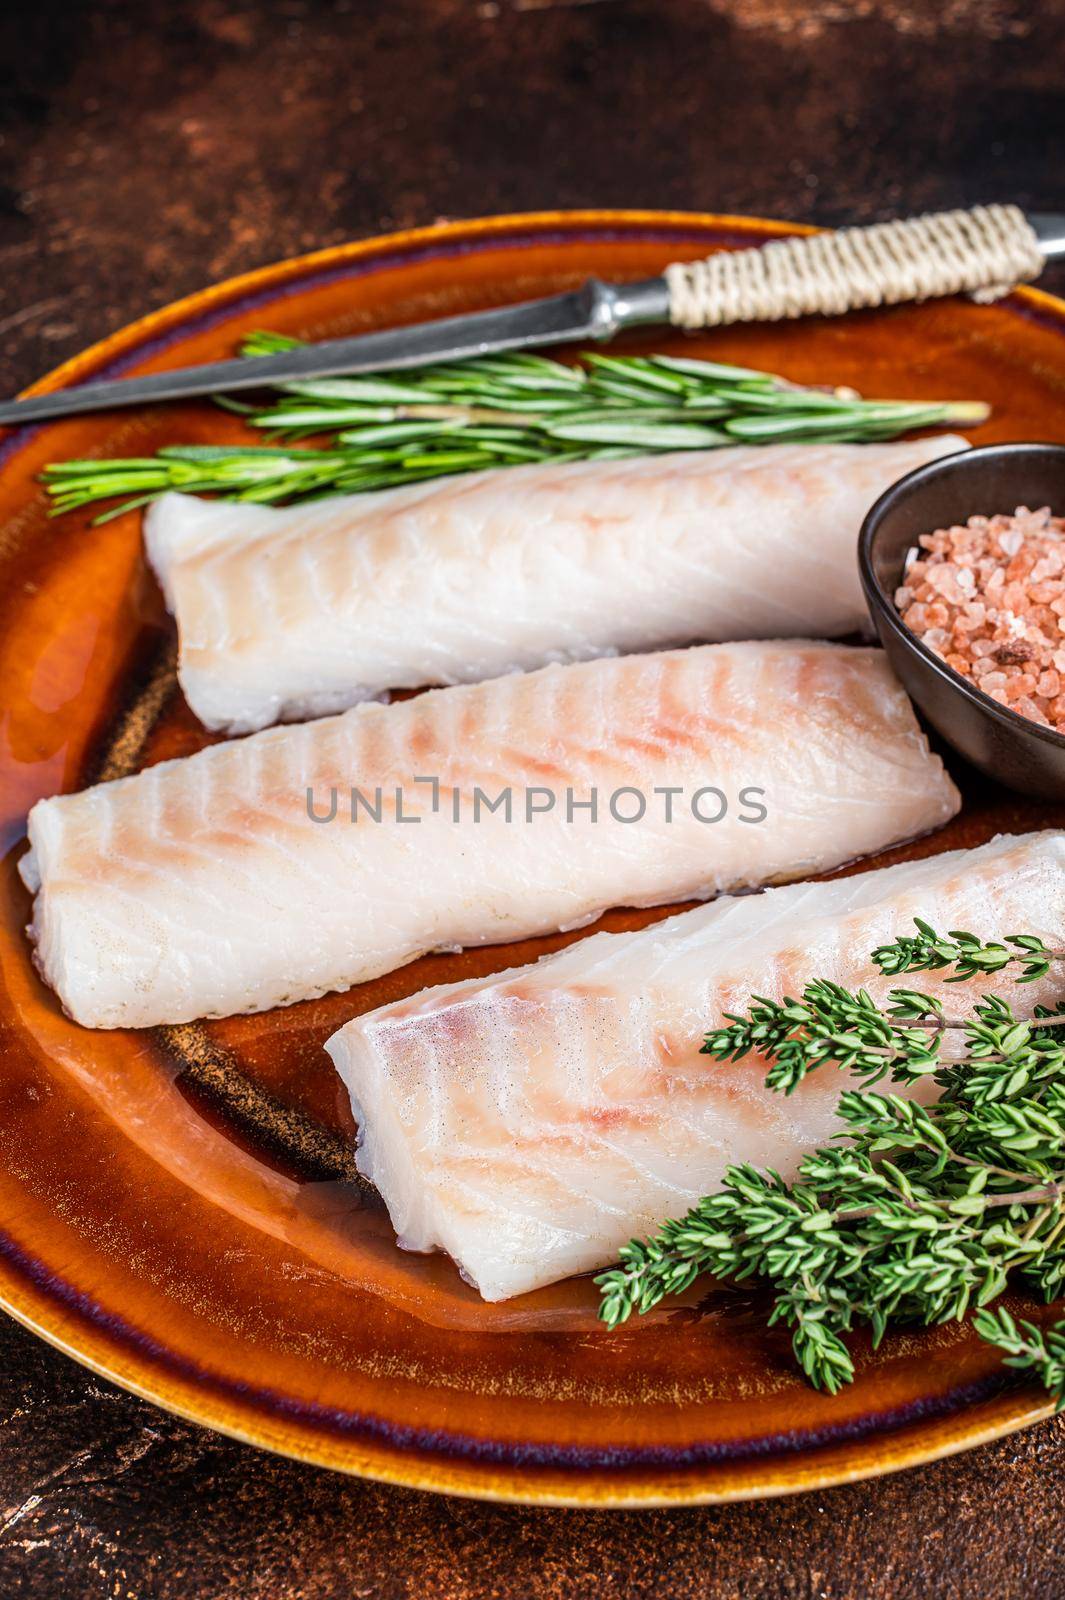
x=914 y=1213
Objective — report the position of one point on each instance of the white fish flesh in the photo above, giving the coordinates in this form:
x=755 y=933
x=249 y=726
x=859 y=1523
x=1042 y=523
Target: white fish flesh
x=204 y=886
x=532 y=1122
x=302 y=612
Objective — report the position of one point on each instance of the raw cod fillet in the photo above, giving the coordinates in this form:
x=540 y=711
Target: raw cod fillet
x=532 y=1122
x=202 y=887
x=298 y=613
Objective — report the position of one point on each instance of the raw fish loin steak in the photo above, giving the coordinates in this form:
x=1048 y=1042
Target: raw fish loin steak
x=532 y=1122
x=203 y=887
x=302 y=612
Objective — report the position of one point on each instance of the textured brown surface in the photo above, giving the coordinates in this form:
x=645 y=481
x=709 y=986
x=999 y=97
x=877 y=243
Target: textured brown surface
x=147 y=150
x=131 y=1503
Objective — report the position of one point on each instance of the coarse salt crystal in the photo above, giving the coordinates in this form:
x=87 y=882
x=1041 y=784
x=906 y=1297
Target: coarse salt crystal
x=989 y=598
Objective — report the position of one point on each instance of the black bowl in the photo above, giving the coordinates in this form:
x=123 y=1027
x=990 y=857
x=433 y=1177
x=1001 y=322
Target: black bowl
x=997 y=478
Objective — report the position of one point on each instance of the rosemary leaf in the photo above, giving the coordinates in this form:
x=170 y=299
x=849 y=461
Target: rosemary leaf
x=538 y=410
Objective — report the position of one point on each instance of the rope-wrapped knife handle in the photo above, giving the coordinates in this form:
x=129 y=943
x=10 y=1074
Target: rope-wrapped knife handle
x=984 y=252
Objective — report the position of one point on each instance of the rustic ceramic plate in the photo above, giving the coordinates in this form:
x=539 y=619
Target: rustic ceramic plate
x=178 y=1208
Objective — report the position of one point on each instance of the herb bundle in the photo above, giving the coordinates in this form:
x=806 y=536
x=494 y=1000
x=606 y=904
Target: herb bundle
x=916 y=1214
x=496 y=411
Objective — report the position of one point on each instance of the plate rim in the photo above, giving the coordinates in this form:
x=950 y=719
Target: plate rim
x=504 y=1486
x=31 y=1305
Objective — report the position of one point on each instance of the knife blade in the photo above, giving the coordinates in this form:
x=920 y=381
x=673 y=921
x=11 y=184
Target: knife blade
x=595 y=311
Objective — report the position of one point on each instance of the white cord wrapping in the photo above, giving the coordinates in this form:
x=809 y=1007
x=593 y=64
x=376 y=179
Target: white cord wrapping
x=984 y=252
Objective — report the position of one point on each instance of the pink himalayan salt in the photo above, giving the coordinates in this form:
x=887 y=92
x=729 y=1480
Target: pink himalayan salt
x=989 y=598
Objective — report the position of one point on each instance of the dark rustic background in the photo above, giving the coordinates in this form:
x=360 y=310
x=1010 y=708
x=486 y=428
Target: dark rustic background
x=146 y=149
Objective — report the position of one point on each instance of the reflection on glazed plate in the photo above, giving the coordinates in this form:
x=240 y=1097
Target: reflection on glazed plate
x=180 y=1209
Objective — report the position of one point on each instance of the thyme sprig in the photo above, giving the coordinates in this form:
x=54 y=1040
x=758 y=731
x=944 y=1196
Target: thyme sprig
x=914 y=1214
x=928 y=951
x=1028 y=1348
x=396 y=428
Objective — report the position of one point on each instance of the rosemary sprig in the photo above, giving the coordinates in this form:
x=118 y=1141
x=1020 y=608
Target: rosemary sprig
x=915 y=1214
x=496 y=411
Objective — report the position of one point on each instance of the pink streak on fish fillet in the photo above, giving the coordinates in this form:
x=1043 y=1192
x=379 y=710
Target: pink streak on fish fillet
x=201 y=887
x=301 y=612
x=532 y=1122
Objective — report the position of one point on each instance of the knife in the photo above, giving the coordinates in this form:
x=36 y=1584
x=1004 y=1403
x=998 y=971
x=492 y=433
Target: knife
x=595 y=311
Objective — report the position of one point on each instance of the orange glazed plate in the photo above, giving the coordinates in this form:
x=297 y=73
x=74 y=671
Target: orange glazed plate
x=179 y=1208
